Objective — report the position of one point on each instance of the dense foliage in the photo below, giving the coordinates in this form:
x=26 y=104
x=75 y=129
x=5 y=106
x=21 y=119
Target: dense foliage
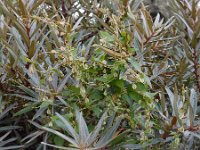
x=100 y=74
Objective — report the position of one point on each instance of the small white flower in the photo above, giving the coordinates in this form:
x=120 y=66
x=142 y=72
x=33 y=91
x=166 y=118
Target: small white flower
x=104 y=62
x=134 y=86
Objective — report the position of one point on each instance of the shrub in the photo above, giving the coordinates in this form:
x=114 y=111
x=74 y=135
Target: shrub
x=96 y=57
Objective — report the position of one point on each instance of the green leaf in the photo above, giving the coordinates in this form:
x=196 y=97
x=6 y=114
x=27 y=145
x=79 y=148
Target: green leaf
x=7 y=128
x=141 y=87
x=126 y=97
x=194 y=101
x=148 y=96
x=63 y=82
x=109 y=134
x=131 y=49
x=95 y=133
x=118 y=85
x=58 y=141
x=22 y=31
x=97 y=111
x=31 y=51
x=95 y=95
x=29 y=91
x=44 y=106
x=27 y=109
x=23 y=9
x=175 y=105
x=171 y=98
x=135 y=64
x=67 y=138
x=147 y=80
x=36 y=5
x=5 y=112
x=107 y=36
x=119 y=139
x=136 y=96
x=69 y=128
x=83 y=129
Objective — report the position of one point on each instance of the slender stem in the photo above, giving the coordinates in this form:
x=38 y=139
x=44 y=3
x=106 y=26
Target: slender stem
x=196 y=73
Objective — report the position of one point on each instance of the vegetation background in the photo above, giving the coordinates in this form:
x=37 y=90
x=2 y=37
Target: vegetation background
x=100 y=74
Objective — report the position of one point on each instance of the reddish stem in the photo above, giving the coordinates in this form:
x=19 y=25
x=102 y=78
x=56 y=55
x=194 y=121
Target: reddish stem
x=196 y=73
